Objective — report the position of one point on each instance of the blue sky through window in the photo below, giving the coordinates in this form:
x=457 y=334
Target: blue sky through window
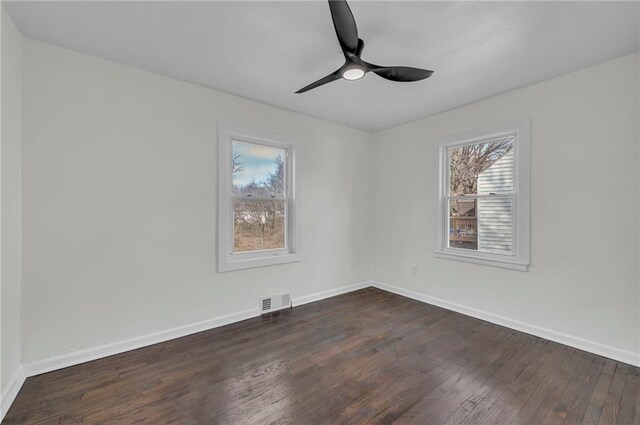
x=256 y=161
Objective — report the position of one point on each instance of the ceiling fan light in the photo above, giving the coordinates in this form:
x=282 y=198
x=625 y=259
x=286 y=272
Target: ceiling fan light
x=353 y=73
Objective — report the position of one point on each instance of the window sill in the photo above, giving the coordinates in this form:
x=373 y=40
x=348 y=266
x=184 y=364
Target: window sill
x=505 y=264
x=248 y=263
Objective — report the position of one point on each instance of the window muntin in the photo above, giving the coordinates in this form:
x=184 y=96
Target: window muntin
x=480 y=196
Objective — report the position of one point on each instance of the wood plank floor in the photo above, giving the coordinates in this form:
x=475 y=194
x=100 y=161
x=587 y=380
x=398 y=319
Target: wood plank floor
x=364 y=357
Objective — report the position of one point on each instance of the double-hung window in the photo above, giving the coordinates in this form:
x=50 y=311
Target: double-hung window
x=484 y=197
x=256 y=199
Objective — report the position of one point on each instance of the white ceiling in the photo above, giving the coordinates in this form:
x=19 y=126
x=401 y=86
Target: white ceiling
x=265 y=51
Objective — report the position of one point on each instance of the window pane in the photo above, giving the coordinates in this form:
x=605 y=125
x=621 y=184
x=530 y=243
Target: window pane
x=482 y=224
x=258 y=170
x=495 y=222
x=463 y=229
x=258 y=224
x=481 y=168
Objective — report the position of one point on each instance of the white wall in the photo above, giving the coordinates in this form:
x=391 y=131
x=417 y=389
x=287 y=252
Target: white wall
x=119 y=203
x=583 y=279
x=10 y=189
x=119 y=197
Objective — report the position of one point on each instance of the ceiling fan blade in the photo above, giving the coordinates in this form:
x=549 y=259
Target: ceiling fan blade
x=345 y=25
x=329 y=78
x=400 y=73
x=359 y=48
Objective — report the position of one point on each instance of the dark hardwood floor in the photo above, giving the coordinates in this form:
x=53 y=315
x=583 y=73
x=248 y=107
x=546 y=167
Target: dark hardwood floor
x=364 y=357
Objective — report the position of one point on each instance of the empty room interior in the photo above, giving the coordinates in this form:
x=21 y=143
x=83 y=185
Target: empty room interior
x=320 y=212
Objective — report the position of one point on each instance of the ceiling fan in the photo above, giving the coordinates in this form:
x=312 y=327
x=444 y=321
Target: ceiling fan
x=354 y=67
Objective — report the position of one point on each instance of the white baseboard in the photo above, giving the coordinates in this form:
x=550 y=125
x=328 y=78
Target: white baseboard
x=9 y=394
x=604 y=350
x=331 y=293
x=81 y=356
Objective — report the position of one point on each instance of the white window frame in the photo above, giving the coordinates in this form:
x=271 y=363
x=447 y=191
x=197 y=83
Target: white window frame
x=519 y=259
x=227 y=259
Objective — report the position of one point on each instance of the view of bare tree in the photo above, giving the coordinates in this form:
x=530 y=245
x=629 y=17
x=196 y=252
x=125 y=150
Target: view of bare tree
x=259 y=222
x=467 y=162
x=236 y=165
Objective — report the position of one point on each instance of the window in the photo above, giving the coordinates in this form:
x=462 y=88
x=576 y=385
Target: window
x=256 y=199
x=484 y=197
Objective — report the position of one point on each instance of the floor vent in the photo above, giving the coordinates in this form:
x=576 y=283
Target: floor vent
x=266 y=304
x=274 y=303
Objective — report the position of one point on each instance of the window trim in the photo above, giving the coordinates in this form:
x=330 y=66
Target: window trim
x=519 y=260
x=227 y=259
